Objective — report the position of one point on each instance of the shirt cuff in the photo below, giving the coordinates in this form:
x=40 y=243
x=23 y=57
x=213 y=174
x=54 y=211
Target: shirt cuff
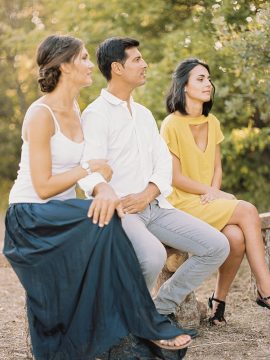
x=88 y=183
x=164 y=188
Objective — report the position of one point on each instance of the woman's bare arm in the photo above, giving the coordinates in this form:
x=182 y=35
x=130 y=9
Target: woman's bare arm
x=184 y=182
x=208 y=193
x=217 y=177
x=38 y=129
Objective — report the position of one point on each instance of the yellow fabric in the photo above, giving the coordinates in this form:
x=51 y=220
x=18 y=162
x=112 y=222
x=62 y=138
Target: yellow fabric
x=197 y=165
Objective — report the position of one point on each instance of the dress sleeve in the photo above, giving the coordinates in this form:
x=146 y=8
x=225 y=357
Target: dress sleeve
x=169 y=134
x=219 y=133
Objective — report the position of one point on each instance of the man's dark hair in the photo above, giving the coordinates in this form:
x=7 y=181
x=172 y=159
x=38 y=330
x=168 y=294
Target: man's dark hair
x=176 y=99
x=113 y=50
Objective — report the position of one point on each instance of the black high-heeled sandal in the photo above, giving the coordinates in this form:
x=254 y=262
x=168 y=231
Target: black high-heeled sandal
x=262 y=301
x=219 y=313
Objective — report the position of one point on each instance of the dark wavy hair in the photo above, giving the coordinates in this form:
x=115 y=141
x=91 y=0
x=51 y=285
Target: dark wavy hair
x=113 y=50
x=176 y=99
x=51 y=53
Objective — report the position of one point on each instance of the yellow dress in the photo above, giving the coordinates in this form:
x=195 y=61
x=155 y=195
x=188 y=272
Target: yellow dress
x=197 y=165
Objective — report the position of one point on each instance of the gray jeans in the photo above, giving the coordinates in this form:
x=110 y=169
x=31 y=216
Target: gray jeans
x=150 y=228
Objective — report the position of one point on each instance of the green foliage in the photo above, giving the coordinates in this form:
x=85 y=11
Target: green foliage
x=233 y=37
x=246 y=156
x=246 y=69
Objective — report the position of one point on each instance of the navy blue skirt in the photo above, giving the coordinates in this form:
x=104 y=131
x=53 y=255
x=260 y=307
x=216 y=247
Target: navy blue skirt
x=85 y=290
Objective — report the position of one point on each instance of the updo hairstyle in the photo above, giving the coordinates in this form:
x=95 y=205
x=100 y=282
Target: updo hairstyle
x=51 y=53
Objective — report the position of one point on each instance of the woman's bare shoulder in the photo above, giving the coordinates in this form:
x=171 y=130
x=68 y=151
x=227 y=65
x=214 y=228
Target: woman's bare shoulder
x=39 y=118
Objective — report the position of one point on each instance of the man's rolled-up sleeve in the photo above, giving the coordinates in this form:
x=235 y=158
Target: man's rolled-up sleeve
x=162 y=164
x=88 y=183
x=95 y=137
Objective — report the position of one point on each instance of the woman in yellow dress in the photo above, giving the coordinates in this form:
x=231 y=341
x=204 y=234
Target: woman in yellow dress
x=193 y=136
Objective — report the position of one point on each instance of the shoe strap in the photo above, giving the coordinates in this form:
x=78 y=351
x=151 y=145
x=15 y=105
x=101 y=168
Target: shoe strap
x=263 y=298
x=211 y=299
x=220 y=301
x=219 y=313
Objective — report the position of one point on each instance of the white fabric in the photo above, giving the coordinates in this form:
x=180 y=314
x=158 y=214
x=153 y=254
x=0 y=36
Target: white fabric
x=66 y=154
x=131 y=144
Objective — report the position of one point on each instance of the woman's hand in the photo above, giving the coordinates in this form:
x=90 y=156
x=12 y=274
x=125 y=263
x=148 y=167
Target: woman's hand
x=101 y=166
x=104 y=204
x=214 y=194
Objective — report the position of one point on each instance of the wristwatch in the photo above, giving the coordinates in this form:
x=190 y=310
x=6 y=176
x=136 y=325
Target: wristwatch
x=85 y=165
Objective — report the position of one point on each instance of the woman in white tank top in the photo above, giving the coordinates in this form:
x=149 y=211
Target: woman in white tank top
x=84 y=286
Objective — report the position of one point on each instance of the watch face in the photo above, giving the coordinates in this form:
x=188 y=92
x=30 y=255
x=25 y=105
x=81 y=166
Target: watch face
x=85 y=165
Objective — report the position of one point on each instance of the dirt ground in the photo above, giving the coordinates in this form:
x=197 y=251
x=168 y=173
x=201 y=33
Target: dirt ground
x=245 y=337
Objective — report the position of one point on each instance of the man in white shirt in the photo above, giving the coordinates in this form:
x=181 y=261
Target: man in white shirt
x=125 y=133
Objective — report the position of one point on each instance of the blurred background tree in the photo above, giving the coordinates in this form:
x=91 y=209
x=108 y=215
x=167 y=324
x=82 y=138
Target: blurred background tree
x=232 y=36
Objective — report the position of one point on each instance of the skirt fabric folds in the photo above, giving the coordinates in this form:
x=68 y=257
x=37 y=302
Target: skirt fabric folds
x=84 y=286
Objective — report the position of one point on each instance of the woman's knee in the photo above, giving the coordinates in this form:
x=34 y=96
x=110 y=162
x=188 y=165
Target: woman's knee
x=236 y=239
x=114 y=225
x=247 y=210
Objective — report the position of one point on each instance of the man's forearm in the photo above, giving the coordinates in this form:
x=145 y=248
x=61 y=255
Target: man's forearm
x=151 y=192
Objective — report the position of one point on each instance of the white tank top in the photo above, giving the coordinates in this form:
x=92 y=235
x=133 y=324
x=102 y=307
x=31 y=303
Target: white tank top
x=66 y=154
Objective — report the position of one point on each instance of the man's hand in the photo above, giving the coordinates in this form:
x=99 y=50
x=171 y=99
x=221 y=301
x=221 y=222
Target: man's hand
x=214 y=194
x=104 y=204
x=134 y=203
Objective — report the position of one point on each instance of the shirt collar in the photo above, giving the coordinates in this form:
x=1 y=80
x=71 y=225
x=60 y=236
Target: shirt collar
x=113 y=99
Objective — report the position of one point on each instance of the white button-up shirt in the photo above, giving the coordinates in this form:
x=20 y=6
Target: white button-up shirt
x=130 y=142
